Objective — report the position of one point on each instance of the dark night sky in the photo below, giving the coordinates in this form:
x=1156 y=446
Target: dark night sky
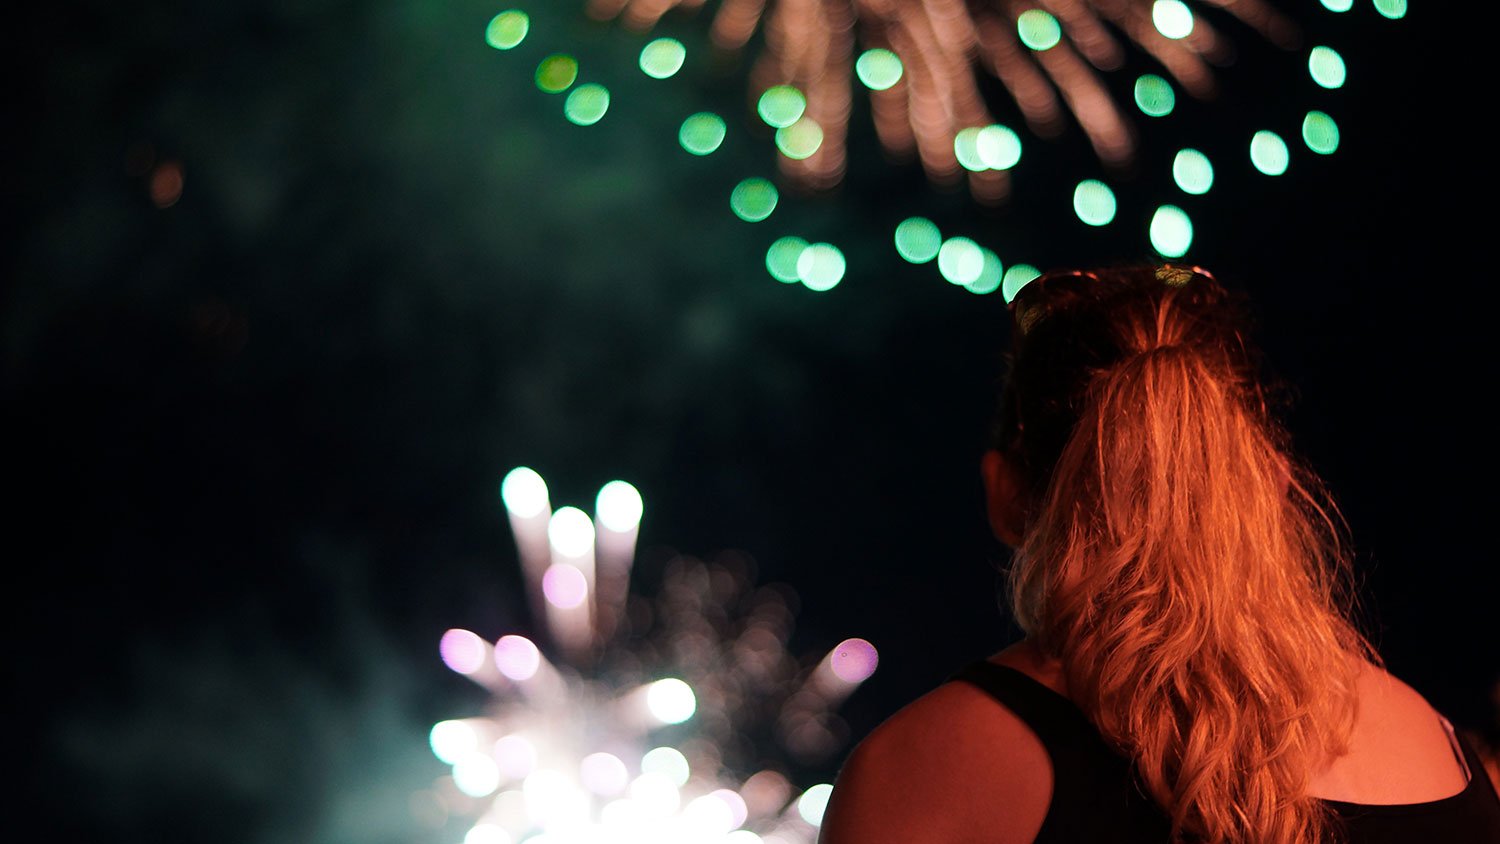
x=257 y=436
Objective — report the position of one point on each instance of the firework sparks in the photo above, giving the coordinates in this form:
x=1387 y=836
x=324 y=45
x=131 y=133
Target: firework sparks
x=1048 y=55
x=639 y=718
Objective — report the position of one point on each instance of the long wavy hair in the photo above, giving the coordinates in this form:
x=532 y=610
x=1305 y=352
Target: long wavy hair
x=1189 y=572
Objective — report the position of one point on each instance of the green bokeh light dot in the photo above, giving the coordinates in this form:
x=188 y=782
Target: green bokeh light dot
x=960 y=260
x=781 y=258
x=821 y=266
x=586 y=104
x=753 y=200
x=701 y=133
x=966 y=149
x=1327 y=67
x=507 y=29
x=1172 y=18
x=1192 y=171
x=1268 y=153
x=999 y=147
x=801 y=139
x=781 y=106
x=1393 y=9
x=878 y=69
x=556 y=72
x=1038 y=29
x=1094 y=202
x=918 y=239
x=1171 y=231
x=989 y=274
x=1154 y=95
x=1320 y=133
x=1338 y=5
x=662 y=57
x=1017 y=277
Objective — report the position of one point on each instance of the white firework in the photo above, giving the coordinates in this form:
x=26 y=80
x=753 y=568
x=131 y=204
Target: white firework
x=678 y=717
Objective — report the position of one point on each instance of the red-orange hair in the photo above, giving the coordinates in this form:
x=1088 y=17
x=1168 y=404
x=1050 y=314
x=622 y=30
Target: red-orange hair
x=1188 y=571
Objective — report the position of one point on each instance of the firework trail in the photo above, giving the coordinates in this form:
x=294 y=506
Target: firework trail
x=1049 y=55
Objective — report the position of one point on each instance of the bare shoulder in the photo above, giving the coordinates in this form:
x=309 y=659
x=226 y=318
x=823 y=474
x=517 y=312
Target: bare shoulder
x=951 y=767
x=1400 y=751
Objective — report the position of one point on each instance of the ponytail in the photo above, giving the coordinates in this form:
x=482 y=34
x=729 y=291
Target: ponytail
x=1189 y=576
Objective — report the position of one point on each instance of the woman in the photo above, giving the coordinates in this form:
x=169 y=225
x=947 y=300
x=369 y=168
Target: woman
x=1190 y=670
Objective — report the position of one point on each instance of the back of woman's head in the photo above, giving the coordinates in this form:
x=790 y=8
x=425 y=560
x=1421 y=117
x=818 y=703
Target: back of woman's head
x=1186 y=569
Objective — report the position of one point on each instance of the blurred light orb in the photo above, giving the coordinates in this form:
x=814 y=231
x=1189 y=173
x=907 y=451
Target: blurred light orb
x=523 y=492
x=1094 y=202
x=487 y=833
x=781 y=106
x=821 y=266
x=619 y=506
x=1393 y=9
x=552 y=797
x=801 y=139
x=452 y=740
x=462 y=650
x=517 y=657
x=753 y=199
x=878 y=69
x=656 y=794
x=1269 y=153
x=1172 y=18
x=782 y=257
x=662 y=58
x=708 y=816
x=738 y=811
x=603 y=774
x=1016 y=278
x=571 y=532
x=476 y=775
x=564 y=586
x=999 y=147
x=667 y=762
x=701 y=133
x=989 y=278
x=515 y=755
x=854 y=660
x=556 y=73
x=918 y=240
x=1154 y=95
x=1338 y=5
x=960 y=260
x=1192 y=171
x=1327 y=67
x=1171 y=231
x=814 y=802
x=671 y=700
x=1320 y=133
x=966 y=149
x=507 y=29
x=1038 y=29
x=586 y=104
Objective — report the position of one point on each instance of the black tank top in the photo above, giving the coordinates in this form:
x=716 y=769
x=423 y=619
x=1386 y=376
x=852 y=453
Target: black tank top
x=1095 y=796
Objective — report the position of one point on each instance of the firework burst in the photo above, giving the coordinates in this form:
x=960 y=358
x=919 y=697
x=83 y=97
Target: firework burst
x=675 y=717
x=920 y=60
